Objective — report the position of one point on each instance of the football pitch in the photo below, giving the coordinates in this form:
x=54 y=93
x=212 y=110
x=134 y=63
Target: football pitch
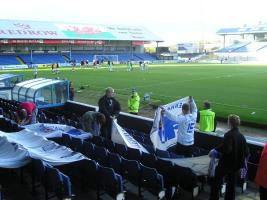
x=231 y=88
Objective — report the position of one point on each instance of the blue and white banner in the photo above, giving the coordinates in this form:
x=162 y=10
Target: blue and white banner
x=56 y=130
x=12 y=155
x=164 y=132
x=120 y=136
x=39 y=147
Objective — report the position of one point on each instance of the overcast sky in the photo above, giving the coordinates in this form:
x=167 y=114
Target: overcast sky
x=173 y=20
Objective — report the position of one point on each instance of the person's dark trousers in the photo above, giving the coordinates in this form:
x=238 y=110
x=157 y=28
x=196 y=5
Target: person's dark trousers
x=216 y=184
x=106 y=128
x=134 y=113
x=187 y=151
x=263 y=193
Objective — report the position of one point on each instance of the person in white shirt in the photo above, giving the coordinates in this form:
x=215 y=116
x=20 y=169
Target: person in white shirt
x=186 y=124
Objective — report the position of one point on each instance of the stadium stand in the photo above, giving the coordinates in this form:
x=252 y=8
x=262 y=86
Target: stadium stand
x=233 y=47
x=8 y=60
x=145 y=56
x=251 y=47
x=82 y=56
x=42 y=58
x=116 y=161
x=49 y=58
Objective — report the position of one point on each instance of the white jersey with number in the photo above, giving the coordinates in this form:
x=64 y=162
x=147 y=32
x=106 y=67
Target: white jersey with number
x=186 y=124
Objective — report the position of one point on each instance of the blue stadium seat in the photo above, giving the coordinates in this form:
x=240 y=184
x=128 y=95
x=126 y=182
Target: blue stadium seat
x=153 y=181
x=66 y=140
x=76 y=144
x=115 y=162
x=101 y=155
x=187 y=180
x=98 y=140
x=149 y=148
x=121 y=149
x=108 y=144
x=111 y=183
x=132 y=172
x=166 y=169
x=56 y=183
x=149 y=160
x=86 y=175
x=162 y=154
x=8 y=60
x=44 y=58
x=88 y=149
x=134 y=154
x=38 y=173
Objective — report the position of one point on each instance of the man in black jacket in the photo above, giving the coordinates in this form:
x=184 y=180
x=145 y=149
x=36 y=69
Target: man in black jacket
x=232 y=154
x=111 y=108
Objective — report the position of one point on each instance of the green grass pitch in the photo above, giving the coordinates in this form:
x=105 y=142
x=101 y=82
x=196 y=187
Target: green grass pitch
x=238 y=89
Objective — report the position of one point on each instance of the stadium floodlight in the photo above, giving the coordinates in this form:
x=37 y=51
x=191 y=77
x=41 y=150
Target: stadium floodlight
x=112 y=58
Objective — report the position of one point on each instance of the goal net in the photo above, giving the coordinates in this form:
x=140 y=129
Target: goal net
x=105 y=58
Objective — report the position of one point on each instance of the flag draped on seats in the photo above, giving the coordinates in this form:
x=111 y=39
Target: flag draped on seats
x=56 y=130
x=39 y=147
x=120 y=136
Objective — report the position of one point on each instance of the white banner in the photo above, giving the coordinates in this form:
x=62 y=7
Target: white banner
x=40 y=148
x=120 y=136
x=56 y=130
x=12 y=155
x=166 y=137
x=13 y=66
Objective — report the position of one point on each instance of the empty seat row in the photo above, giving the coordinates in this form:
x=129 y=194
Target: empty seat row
x=55 y=183
x=42 y=118
x=120 y=164
x=132 y=153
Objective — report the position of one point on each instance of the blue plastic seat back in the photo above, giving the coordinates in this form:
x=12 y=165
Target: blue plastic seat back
x=66 y=140
x=110 y=181
x=162 y=154
x=76 y=144
x=115 y=162
x=98 y=140
x=101 y=155
x=134 y=154
x=66 y=185
x=152 y=180
x=149 y=160
x=88 y=149
x=53 y=180
x=131 y=170
x=110 y=145
x=121 y=149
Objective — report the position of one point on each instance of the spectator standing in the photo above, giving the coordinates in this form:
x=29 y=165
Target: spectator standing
x=134 y=102
x=111 y=108
x=232 y=154
x=186 y=124
x=71 y=91
x=207 y=118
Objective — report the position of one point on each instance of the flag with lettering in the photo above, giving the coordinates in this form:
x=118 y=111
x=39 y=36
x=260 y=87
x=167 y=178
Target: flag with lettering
x=164 y=131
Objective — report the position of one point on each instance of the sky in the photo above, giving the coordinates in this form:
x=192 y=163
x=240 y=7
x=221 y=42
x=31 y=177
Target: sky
x=172 y=20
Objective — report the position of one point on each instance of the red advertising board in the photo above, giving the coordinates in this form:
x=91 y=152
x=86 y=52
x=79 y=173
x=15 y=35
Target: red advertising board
x=54 y=42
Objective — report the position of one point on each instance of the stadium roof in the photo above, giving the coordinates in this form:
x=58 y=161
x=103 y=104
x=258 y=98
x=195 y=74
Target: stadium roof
x=259 y=28
x=19 y=29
